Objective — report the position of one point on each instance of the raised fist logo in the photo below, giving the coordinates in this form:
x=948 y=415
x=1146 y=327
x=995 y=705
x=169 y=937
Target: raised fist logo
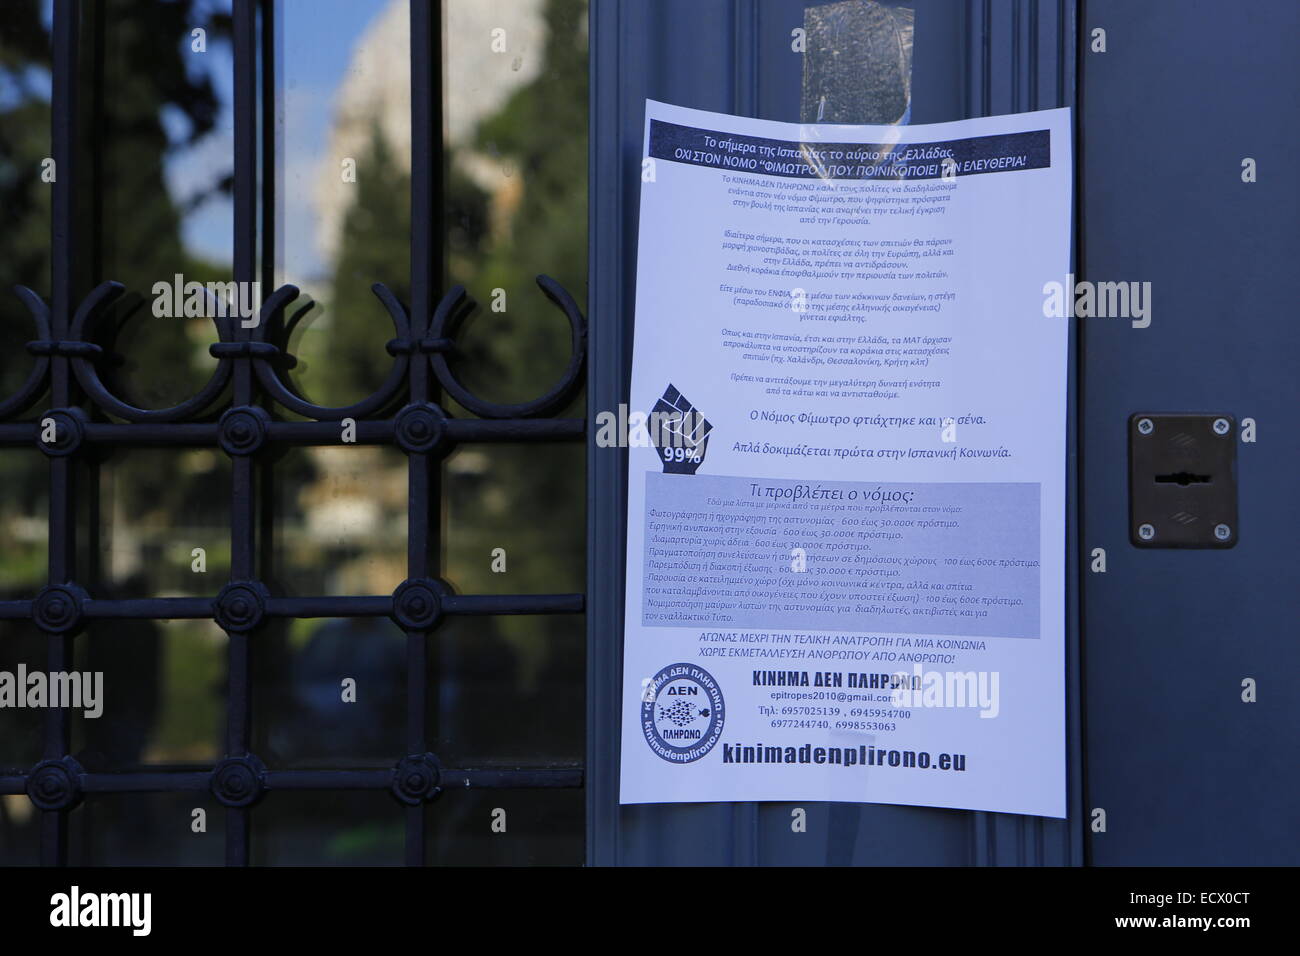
x=680 y=433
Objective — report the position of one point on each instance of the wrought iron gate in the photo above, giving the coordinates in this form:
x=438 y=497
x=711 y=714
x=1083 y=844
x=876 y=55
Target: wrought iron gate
x=76 y=412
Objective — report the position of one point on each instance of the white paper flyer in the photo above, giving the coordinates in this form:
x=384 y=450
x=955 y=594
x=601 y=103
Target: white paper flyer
x=847 y=430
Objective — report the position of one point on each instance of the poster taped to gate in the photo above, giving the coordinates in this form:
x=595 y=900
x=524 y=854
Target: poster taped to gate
x=846 y=439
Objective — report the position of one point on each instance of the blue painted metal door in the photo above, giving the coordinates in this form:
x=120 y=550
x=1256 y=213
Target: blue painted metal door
x=969 y=59
x=1168 y=764
x=1186 y=771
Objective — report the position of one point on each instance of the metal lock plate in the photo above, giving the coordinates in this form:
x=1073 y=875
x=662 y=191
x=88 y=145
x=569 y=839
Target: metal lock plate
x=1182 y=481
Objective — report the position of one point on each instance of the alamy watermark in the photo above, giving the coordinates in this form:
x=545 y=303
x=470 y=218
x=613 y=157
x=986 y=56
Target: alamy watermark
x=973 y=689
x=133 y=911
x=198 y=300
x=75 y=689
x=1098 y=300
x=657 y=429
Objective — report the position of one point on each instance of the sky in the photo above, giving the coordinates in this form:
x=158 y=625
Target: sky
x=316 y=41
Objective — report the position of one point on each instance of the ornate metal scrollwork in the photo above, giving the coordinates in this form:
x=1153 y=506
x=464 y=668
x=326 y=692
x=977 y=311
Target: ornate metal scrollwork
x=269 y=361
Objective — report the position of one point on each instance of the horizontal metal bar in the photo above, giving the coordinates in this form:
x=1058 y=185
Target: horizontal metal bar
x=514 y=603
x=111 y=433
x=382 y=605
x=376 y=605
x=516 y=429
x=368 y=606
x=18 y=433
x=183 y=781
x=328 y=779
x=152 y=433
x=368 y=432
x=556 y=778
x=156 y=781
x=164 y=609
x=15 y=610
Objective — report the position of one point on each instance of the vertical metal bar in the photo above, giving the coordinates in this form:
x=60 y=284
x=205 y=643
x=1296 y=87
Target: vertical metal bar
x=90 y=263
x=1033 y=57
x=426 y=176
x=1069 y=15
x=63 y=141
x=90 y=258
x=62 y=516
x=93 y=233
x=606 y=473
x=242 y=508
x=268 y=248
x=986 y=59
x=1017 y=74
x=424 y=485
x=1070 y=39
x=1063 y=842
x=269 y=128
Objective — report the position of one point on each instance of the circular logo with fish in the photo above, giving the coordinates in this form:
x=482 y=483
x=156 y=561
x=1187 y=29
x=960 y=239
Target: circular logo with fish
x=682 y=713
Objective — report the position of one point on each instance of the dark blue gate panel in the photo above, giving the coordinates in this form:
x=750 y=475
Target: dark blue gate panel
x=1186 y=772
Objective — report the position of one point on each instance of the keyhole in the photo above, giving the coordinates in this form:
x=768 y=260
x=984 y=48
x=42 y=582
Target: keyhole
x=1183 y=478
